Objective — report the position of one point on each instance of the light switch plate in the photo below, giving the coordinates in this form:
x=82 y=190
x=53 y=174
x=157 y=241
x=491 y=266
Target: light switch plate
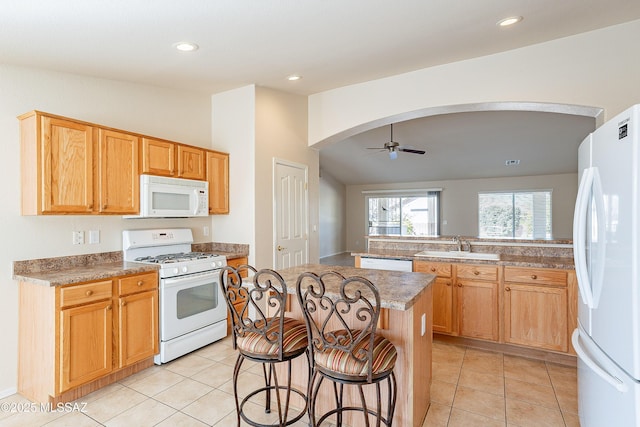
x=94 y=237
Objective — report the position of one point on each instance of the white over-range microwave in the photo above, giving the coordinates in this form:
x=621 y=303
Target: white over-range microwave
x=164 y=197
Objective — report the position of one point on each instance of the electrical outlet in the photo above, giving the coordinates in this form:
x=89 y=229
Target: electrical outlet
x=423 y=322
x=78 y=237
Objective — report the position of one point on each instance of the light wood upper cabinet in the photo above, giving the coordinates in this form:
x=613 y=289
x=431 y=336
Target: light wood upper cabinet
x=158 y=157
x=119 y=186
x=72 y=167
x=218 y=178
x=57 y=165
x=536 y=308
x=191 y=162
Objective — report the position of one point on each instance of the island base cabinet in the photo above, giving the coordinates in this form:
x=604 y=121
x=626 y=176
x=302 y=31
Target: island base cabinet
x=85 y=343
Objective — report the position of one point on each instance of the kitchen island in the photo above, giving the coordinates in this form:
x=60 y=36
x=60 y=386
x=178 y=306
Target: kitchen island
x=405 y=320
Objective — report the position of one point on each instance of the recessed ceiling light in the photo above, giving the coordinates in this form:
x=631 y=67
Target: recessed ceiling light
x=509 y=21
x=186 y=46
x=294 y=77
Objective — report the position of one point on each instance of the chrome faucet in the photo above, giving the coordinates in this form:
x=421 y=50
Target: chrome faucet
x=458 y=242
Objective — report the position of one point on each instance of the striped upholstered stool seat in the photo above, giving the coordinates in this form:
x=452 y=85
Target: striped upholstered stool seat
x=341 y=363
x=294 y=339
x=341 y=314
x=266 y=337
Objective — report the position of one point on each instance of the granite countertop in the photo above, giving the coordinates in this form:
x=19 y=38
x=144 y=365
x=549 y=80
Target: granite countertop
x=68 y=270
x=563 y=263
x=398 y=290
x=83 y=273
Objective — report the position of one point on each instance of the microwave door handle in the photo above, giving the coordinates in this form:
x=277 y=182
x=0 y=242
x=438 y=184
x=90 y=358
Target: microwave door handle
x=196 y=202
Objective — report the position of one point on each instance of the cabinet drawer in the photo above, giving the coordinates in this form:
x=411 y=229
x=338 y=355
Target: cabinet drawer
x=482 y=272
x=138 y=283
x=540 y=276
x=83 y=294
x=440 y=269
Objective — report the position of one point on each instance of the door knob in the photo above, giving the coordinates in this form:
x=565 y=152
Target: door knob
x=280 y=248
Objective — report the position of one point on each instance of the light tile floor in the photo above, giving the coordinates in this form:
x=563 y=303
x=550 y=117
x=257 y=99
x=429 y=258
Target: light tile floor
x=470 y=388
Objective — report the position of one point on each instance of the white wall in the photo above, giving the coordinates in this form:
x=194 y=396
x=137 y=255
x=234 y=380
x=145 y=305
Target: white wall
x=174 y=115
x=256 y=125
x=597 y=69
x=233 y=131
x=459 y=203
x=281 y=132
x=333 y=215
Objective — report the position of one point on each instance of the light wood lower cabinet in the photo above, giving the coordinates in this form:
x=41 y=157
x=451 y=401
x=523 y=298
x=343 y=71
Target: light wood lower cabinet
x=443 y=305
x=477 y=301
x=85 y=343
x=76 y=338
x=532 y=307
x=535 y=308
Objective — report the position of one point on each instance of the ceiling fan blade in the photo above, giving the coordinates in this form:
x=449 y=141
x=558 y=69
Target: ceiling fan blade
x=411 y=150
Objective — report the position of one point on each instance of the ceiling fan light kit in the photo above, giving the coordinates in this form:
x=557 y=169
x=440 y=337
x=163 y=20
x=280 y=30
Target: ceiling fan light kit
x=393 y=147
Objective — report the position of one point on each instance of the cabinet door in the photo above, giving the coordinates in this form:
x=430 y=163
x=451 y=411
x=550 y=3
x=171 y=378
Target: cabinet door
x=478 y=309
x=536 y=316
x=85 y=343
x=158 y=157
x=119 y=186
x=138 y=327
x=67 y=166
x=190 y=162
x=443 y=305
x=218 y=177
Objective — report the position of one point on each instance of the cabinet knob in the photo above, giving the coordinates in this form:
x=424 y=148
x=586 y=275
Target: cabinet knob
x=534 y=277
x=123 y=303
x=507 y=289
x=476 y=272
x=89 y=293
x=109 y=307
x=459 y=285
x=448 y=283
x=433 y=269
x=140 y=282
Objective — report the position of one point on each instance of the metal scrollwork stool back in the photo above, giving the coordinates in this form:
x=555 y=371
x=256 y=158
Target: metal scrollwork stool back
x=345 y=348
x=262 y=338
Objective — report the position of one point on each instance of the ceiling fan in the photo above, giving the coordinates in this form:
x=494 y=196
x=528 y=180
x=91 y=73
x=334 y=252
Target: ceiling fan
x=393 y=147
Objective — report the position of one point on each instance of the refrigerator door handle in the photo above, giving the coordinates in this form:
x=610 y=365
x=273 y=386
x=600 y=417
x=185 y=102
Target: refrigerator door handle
x=582 y=354
x=579 y=236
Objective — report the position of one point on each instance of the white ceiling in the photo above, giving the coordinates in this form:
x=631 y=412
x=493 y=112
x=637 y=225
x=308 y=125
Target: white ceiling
x=331 y=43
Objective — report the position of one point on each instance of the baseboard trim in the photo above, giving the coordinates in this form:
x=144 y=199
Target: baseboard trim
x=8 y=392
x=510 y=349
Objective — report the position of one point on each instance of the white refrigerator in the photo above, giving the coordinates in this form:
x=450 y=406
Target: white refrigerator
x=606 y=239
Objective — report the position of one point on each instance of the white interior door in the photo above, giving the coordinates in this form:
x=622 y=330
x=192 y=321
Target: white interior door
x=290 y=214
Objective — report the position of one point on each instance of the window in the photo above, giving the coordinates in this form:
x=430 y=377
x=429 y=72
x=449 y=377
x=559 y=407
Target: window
x=404 y=214
x=515 y=214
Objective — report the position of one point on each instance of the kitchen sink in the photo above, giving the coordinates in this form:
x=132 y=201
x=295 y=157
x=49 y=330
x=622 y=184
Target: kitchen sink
x=459 y=254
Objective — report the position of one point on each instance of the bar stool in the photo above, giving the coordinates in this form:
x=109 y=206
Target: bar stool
x=262 y=338
x=341 y=315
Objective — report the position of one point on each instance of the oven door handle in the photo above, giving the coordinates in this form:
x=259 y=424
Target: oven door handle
x=189 y=279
